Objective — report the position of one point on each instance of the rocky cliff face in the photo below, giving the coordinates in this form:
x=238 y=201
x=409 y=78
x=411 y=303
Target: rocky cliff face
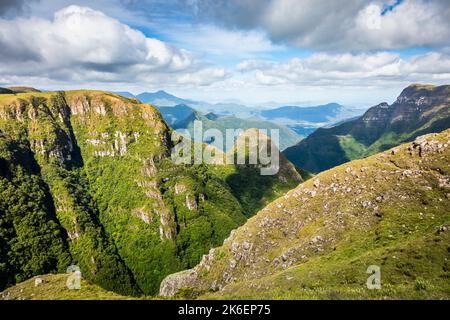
x=317 y=241
x=418 y=110
x=119 y=207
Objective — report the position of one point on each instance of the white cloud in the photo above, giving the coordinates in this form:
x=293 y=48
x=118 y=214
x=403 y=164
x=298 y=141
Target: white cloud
x=202 y=77
x=81 y=44
x=378 y=69
x=336 y=24
x=253 y=64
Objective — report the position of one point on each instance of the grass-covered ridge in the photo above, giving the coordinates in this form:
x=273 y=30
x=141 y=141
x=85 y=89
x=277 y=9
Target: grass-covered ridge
x=389 y=210
x=105 y=195
x=54 y=287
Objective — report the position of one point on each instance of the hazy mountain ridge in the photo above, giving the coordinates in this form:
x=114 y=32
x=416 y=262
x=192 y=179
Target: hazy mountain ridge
x=162 y=98
x=183 y=117
x=301 y=119
x=418 y=110
x=320 y=114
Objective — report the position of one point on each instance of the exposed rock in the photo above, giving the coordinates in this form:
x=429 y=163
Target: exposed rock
x=180 y=188
x=144 y=216
x=167 y=226
x=444 y=228
x=73 y=235
x=191 y=203
x=174 y=282
x=38 y=281
x=317 y=183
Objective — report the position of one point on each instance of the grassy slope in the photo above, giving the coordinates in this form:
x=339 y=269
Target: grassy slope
x=55 y=288
x=389 y=210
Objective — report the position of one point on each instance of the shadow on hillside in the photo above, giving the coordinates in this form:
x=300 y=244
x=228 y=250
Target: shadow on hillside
x=316 y=155
x=251 y=188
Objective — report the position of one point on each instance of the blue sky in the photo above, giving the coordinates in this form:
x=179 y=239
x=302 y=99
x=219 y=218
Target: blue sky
x=355 y=52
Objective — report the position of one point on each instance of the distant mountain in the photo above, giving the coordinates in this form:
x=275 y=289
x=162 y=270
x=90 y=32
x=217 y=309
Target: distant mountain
x=230 y=109
x=418 y=110
x=177 y=115
x=125 y=94
x=16 y=90
x=322 y=113
x=183 y=117
x=301 y=130
x=305 y=120
x=212 y=116
x=302 y=120
x=162 y=98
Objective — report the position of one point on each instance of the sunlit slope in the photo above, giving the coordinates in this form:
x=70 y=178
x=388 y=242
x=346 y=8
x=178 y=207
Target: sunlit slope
x=389 y=210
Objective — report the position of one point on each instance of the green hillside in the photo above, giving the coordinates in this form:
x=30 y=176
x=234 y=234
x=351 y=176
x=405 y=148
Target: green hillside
x=418 y=110
x=54 y=287
x=317 y=242
x=86 y=178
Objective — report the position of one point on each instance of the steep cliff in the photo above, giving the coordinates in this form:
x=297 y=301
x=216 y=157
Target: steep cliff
x=419 y=109
x=111 y=199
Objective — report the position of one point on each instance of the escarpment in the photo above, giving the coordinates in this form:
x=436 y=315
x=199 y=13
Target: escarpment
x=99 y=173
x=418 y=110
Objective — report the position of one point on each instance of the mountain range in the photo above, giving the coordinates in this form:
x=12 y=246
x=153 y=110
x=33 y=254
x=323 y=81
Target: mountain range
x=162 y=98
x=301 y=119
x=86 y=178
x=183 y=117
x=419 y=109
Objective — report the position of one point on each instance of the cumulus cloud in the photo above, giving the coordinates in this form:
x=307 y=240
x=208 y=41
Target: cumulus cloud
x=336 y=25
x=82 y=44
x=253 y=64
x=202 y=77
x=381 y=69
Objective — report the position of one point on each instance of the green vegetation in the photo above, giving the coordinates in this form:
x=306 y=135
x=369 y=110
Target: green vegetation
x=418 y=110
x=316 y=242
x=27 y=218
x=54 y=287
x=87 y=177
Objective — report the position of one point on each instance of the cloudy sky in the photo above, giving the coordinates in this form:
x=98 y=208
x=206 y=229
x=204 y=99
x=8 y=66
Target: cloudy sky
x=356 y=52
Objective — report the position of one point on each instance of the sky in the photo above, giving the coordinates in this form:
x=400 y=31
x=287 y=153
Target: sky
x=355 y=52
